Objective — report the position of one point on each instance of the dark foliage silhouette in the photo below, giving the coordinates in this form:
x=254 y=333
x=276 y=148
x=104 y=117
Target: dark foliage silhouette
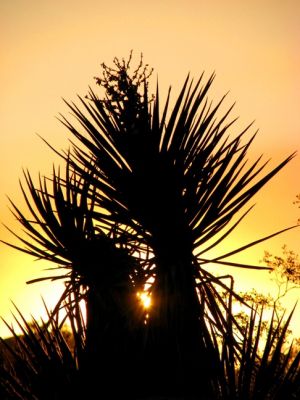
x=148 y=191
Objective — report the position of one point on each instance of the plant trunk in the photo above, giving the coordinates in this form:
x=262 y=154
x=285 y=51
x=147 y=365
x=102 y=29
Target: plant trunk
x=111 y=343
x=177 y=349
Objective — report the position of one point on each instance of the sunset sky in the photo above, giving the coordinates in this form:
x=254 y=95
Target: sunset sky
x=51 y=50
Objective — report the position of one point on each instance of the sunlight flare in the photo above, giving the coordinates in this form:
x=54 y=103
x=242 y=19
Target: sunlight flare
x=145 y=299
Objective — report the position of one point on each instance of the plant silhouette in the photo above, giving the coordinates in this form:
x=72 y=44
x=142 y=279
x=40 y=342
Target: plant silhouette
x=147 y=192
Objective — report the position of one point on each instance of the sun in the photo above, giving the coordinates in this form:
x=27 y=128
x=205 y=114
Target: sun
x=145 y=299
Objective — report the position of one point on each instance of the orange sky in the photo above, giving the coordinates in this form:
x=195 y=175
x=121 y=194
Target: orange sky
x=53 y=49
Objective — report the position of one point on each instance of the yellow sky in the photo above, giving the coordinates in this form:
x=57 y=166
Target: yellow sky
x=53 y=49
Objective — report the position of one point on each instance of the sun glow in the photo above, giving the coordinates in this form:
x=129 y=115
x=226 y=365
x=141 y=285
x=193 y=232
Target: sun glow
x=145 y=299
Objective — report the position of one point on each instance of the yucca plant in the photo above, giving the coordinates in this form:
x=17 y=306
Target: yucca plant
x=177 y=181
x=264 y=368
x=149 y=193
x=98 y=268
x=41 y=362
